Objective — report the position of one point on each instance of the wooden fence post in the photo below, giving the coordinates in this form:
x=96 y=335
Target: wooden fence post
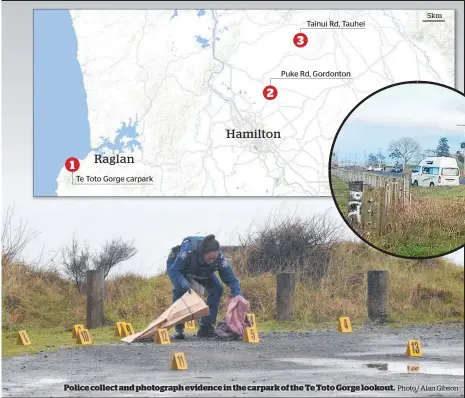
x=367 y=210
x=377 y=297
x=285 y=296
x=95 y=299
x=381 y=210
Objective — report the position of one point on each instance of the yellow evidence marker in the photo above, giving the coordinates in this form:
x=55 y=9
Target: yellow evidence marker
x=190 y=326
x=77 y=328
x=344 y=325
x=126 y=329
x=162 y=337
x=414 y=349
x=83 y=337
x=179 y=361
x=413 y=368
x=118 y=329
x=251 y=335
x=252 y=320
x=23 y=338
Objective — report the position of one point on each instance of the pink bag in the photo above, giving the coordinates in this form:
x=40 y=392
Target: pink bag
x=235 y=320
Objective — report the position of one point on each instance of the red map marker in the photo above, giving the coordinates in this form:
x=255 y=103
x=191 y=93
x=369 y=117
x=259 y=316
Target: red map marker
x=270 y=92
x=300 y=40
x=72 y=165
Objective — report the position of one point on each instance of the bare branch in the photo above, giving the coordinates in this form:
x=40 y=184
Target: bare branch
x=14 y=240
x=113 y=253
x=405 y=149
x=76 y=262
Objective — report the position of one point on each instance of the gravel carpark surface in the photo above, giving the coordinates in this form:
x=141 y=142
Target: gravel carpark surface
x=369 y=356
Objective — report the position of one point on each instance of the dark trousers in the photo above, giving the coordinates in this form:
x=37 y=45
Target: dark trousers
x=214 y=289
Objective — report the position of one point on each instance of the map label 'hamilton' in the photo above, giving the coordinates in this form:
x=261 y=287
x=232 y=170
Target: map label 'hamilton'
x=257 y=133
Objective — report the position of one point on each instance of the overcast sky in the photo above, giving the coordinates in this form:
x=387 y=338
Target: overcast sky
x=155 y=224
x=424 y=112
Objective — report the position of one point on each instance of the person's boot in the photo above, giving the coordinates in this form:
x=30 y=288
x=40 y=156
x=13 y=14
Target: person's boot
x=179 y=332
x=206 y=330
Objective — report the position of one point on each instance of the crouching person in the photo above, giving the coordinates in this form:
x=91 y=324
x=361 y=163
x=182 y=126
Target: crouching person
x=198 y=258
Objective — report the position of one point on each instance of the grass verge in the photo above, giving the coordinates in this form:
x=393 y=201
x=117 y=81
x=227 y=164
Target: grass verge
x=51 y=339
x=341 y=194
x=438 y=192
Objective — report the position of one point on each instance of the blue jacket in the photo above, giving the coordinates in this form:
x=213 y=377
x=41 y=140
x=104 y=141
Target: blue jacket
x=187 y=265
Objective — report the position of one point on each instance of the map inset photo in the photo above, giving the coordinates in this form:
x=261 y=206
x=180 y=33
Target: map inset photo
x=397 y=170
x=214 y=102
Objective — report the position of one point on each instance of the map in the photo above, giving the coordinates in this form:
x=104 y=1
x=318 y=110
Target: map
x=214 y=102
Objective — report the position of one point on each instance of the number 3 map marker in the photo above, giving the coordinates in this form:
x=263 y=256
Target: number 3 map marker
x=270 y=92
x=72 y=165
x=300 y=40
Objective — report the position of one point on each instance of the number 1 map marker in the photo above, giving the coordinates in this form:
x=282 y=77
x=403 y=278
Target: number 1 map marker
x=270 y=92
x=72 y=165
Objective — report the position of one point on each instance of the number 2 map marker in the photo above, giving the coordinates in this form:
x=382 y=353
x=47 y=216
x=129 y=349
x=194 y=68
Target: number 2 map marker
x=300 y=40
x=270 y=92
x=72 y=165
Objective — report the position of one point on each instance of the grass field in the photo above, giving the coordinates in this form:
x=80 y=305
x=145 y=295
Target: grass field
x=341 y=194
x=46 y=305
x=433 y=225
x=438 y=192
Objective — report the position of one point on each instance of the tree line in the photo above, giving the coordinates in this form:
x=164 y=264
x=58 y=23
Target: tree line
x=406 y=149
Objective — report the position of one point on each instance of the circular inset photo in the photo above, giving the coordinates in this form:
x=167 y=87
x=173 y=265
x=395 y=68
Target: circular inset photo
x=397 y=173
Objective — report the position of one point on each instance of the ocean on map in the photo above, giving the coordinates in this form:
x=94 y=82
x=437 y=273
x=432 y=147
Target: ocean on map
x=61 y=126
x=61 y=123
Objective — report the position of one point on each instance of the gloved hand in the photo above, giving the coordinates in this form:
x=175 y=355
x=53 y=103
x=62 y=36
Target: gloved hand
x=185 y=285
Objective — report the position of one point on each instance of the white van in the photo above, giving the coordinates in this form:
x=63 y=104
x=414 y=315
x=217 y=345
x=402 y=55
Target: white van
x=436 y=171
